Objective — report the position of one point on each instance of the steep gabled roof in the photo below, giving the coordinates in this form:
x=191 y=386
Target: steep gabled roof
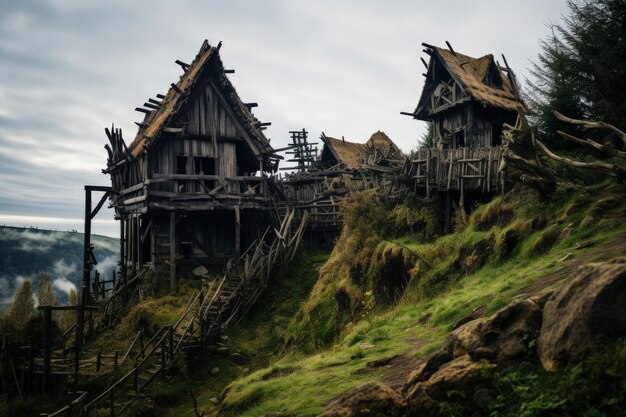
x=206 y=62
x=351 y=153
x=344 y=151
x=380 y=140
x=471 y=74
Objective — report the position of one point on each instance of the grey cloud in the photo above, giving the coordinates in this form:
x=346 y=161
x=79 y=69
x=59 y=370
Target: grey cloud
x=69 y=68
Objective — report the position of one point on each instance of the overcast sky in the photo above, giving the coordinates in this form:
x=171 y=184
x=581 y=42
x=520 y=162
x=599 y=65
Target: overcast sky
x=70 y=68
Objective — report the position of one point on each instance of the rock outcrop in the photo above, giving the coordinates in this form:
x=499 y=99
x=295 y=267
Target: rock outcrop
x=565 y=325
x=373 y=399
x=583 y=313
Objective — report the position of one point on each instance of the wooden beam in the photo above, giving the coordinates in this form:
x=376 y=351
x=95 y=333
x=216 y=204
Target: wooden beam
x=173 y=252
x=151 y=106
x=184 y=65
x=175 y=88
x=229 y=71
x=450 y=48
x=251 y=105
x=237 y=233
x=146 y=111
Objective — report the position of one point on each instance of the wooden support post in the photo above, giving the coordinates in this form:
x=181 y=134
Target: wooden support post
x=96 y=285
x=115 y=356
x=98 y=360
x=173 y=252
x=139 y=245
x=86 y=248
x=122 y=252
x=237 y=234
x=427 y=172
x=462 y=172
x=47 y=347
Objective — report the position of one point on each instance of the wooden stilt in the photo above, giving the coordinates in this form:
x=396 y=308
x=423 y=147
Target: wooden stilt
x=237 y=234
x=173 y=252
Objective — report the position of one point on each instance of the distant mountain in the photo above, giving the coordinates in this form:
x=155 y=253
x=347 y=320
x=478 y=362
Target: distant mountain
x=26 y=252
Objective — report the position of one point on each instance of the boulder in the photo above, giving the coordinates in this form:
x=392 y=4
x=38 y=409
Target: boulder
x=215 y=370
x=462 y=374
x=583 y=313
x=501 y=338
x=429 y=367
x=373 y=399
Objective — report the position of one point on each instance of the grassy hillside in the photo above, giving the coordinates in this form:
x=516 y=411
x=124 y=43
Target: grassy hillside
x=341 y=338
x=387 y=295
x=27 y=252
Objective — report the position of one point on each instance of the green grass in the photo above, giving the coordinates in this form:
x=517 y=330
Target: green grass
x=444 y=288
x=260 y=338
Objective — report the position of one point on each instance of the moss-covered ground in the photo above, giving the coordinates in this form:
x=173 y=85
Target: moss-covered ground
x=511 y=246
x=394 y=284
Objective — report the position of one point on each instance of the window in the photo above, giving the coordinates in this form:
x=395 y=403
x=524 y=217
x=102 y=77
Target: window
x=181 y=164
x=181 y=169
x=496 y=134
x=459 y=139
x=203 y=165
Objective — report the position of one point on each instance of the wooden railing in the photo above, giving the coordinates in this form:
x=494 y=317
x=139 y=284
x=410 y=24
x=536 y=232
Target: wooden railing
x=182 y=187
x=468 y=169
x=207 y=311
x=73 y=408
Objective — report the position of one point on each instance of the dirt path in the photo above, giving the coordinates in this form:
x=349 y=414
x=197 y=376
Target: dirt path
x=607 y=251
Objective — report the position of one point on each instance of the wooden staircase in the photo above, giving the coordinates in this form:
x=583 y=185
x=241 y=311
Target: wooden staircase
x=222 y=302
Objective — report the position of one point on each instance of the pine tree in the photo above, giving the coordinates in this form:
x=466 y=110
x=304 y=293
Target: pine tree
x=45 y=292
x=428 y=138
x=23 y=307
x=581 y=69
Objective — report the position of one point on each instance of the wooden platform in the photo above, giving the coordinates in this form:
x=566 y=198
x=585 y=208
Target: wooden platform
x=461 y=169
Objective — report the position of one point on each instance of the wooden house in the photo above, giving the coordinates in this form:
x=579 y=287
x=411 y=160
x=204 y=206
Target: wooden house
x=342 y=166
x=467 y=99
x=352 y=155
x=195 y=184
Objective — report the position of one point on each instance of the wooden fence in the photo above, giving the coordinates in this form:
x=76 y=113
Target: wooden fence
x=209 y=310
x=461 y=169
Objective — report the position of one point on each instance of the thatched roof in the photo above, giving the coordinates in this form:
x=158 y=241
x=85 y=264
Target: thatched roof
x=350 y=154
x=471 y=74
x=206 y=62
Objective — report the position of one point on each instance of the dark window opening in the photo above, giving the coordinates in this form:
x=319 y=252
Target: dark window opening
x=459 y=139
x=496 y=134
x=181 y=169
x=203 y=165
x=186 y=250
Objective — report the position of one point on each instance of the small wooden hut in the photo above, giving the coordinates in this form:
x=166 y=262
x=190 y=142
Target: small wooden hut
x=352 y=155
x=194 y=185
x=467 y=99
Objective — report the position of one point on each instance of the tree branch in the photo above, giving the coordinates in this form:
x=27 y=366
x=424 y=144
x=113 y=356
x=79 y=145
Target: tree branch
x=591 y=124
x=593 y=144
x=612 y=169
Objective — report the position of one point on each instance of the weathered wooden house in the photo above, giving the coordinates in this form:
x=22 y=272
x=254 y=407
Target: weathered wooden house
x=467 y=99
x=194 y=183
x=352 y=155
x=342 y=166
